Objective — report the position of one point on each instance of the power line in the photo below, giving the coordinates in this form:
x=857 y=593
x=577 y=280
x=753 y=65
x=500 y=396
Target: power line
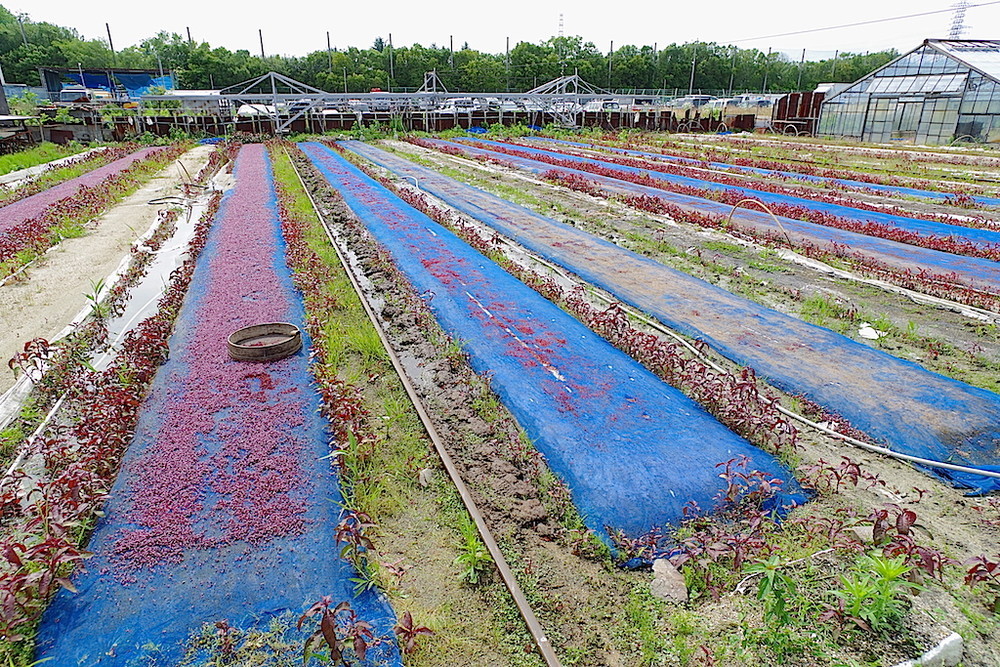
x=859 y=23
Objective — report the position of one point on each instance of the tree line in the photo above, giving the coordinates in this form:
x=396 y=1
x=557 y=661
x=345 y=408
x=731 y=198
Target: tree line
x=26 y=45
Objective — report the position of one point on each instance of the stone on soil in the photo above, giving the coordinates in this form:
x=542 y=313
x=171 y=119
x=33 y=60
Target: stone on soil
x=668 y=583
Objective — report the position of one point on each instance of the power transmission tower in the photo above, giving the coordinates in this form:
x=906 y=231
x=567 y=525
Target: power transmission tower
x=958 y=20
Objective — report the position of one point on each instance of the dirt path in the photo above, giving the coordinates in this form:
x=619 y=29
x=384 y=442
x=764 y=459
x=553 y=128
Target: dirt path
x=46 y=298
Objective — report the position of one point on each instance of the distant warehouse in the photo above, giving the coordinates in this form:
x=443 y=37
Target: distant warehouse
x=942 y=91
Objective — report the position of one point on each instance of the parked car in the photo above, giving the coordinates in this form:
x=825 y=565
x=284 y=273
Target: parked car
x=567 y=106
x=722 y=103
x=695 y=101
x=81 y=94
x=753 y=100
x=358 y=106
x=255 y=110
x=602 y=105
x=454 y=105
x=510 y=105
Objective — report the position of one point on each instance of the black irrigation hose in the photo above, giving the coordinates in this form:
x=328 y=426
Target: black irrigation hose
x=534 y=626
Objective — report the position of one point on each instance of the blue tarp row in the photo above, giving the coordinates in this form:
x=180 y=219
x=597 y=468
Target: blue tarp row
x=632 y=449
x=136 y=84
x=925 y=227
x=226 y=505
x=915 y=411
x=91 y=80
x=981 y=274
x=878 y=187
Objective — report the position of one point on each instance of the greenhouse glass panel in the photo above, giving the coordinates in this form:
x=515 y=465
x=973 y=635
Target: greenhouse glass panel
x=952 y=83
x=938 y=91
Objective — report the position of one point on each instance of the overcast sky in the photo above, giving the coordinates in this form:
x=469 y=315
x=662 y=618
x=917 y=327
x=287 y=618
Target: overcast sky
x=300 y=28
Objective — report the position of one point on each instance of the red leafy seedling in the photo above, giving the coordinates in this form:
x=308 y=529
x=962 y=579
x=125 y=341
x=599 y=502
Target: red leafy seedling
x=32 y=359
x=948 y=285
x=407 y=633
x=982 y=570
x=355 y=633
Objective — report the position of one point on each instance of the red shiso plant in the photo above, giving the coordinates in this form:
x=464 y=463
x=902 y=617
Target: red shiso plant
x=946 y=286
x=737 y=400
x=950 y=244
x=43 y=520
x=50 y=181
x=354 y=442
x=32 y=224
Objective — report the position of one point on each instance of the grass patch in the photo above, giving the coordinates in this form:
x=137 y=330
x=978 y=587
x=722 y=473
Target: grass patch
x=725 y=247
x=766 y=267
x=40 y=154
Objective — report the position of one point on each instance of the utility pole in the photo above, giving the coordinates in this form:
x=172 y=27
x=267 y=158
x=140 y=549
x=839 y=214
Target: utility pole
x=507 y=61
x=190 y=41
x=114 y=58
x=694 y=58
x=767 y=67
x=611 y=55
x=802 y=64
x=732 y=72
x=20 y=22
x=260 y=33
x=329 y=51
x=833 y=67
x=392 y=69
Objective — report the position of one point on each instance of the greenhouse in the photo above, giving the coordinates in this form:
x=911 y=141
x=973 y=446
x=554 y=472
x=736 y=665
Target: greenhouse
x=942 y=91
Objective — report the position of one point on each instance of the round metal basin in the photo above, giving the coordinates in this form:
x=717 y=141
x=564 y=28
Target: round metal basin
x=265 y=342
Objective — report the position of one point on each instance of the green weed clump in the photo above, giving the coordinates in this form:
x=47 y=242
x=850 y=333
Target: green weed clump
x=872 y=595
x=473 y=558
x=40 y=154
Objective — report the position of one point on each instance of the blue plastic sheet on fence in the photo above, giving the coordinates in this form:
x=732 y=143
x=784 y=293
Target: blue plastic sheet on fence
x=148 y=616
x=138 y=85
x=925 y=227
x=90 y=79
x=975 y=272
x=878 y=187
x=913 y=410
x=632 y=450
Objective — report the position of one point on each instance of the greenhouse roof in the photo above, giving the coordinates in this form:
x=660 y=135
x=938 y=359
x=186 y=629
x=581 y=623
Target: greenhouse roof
x=942 y=74
x=982 y=55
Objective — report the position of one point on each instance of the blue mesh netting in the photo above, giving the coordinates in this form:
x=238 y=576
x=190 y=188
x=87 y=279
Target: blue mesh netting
x=143 y=615
x=897 y=189
x=926 y=227
x=915 y=411
x=632 y=450
x=972 y=271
